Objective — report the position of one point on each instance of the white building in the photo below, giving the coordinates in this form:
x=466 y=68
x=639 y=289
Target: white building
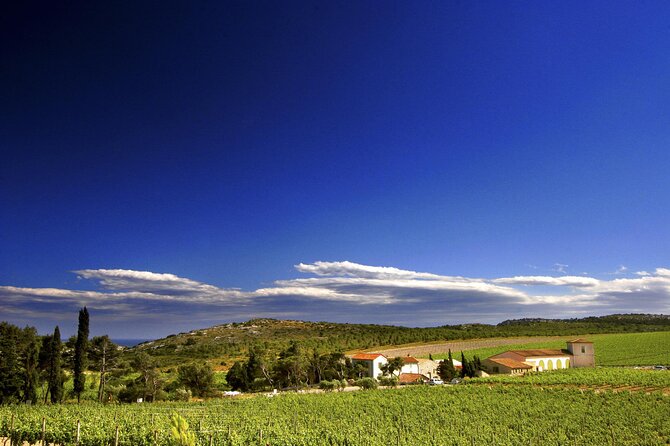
x=409 y=365
x=579 y=353
x=372 y=362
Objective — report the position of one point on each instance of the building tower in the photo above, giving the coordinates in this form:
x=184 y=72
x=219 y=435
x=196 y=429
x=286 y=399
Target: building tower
x=583 y=354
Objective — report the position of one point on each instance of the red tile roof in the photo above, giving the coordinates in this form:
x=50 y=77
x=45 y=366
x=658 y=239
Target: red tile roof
x=407 y=378
x=367 y=356
x=511 y=363
x=531 y=353
x=409 y=360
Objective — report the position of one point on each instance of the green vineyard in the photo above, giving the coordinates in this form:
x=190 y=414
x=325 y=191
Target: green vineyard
x=458 y=415
x=614 y=349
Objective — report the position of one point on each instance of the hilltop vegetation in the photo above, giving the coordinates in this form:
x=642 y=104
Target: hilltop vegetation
x=225 y=344
x=263 y=353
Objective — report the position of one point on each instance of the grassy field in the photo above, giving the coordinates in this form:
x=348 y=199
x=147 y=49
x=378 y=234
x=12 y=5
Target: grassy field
x=620 y=349
x=607 y=377
x=463 y=415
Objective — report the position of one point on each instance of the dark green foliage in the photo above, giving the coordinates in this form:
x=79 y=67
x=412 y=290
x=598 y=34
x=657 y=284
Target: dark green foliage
x=388 y=381
x=467 y=370
x=476 y=363
x=290 y=370
x=198 y=378
x=446 y=369
x=149 y=382
x=10 y=372
x=29 y=360
x=237 y=377
x=55 y=377
x=393 y=365
x=367 y=383
x=104 y=356
x=81 y=353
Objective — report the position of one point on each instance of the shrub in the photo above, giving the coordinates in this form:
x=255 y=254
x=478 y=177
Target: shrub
x=388 y=381
x=180 y=394
x=367 y=383
x=328 y=386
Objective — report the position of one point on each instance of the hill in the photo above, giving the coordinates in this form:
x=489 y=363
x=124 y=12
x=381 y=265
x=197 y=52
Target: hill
x=223 y=344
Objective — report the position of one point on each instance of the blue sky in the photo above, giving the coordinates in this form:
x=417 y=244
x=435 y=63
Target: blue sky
x=173 y=166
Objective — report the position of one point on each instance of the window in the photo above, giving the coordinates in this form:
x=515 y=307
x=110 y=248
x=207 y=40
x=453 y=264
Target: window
x=583 y=349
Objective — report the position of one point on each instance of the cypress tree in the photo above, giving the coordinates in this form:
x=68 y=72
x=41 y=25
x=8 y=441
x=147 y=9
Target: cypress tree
x=476 y=364
x=30 y=365
x=44 y=363
x=465 y=366
x=80 y=354
x=451 y=370
x=55 y=380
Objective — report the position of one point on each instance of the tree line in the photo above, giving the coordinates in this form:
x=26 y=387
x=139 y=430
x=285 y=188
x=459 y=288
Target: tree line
x=34 y=369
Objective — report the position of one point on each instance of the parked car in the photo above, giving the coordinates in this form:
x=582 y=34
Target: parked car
x=659 y=367
x=435 y=381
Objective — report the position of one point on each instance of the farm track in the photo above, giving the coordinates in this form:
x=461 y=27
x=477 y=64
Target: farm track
x=423 y=350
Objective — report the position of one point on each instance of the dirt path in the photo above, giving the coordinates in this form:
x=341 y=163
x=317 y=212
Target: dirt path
x=423 y=350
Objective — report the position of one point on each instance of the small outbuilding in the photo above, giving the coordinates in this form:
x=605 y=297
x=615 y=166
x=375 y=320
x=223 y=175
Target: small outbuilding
x=412 y=378
x=410 y=365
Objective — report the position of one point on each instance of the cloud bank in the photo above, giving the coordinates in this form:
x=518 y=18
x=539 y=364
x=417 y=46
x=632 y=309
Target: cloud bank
x=342 y=291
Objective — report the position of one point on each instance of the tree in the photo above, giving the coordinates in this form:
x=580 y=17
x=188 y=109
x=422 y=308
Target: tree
x=81 y=354
x=464 y=366
x=55 y=378
x=10 y=375
x=104 y=355
x=292 y=366
x=467 y=369
x=476 y=364
x=391 y=366
x=237 y=377
x=258 y=368
x=29 y=360
x=337 y=366
x=199 y=378
x=43 y=363
x=446 y=368
x=149 y=379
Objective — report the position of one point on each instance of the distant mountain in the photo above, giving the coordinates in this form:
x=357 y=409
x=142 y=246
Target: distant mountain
x=223 y=344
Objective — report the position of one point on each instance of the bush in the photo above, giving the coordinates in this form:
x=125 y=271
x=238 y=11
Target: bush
x=388 y=381
x=180 y=394
x=367 y=383
x=328 y=386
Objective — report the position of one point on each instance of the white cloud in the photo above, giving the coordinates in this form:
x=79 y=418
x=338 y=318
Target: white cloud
x=350 y=269
x=574 y=281
x=340 y=289
x=665 y=272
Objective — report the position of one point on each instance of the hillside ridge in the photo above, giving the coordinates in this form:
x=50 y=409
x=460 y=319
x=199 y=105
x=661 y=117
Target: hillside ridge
x=224 y=343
